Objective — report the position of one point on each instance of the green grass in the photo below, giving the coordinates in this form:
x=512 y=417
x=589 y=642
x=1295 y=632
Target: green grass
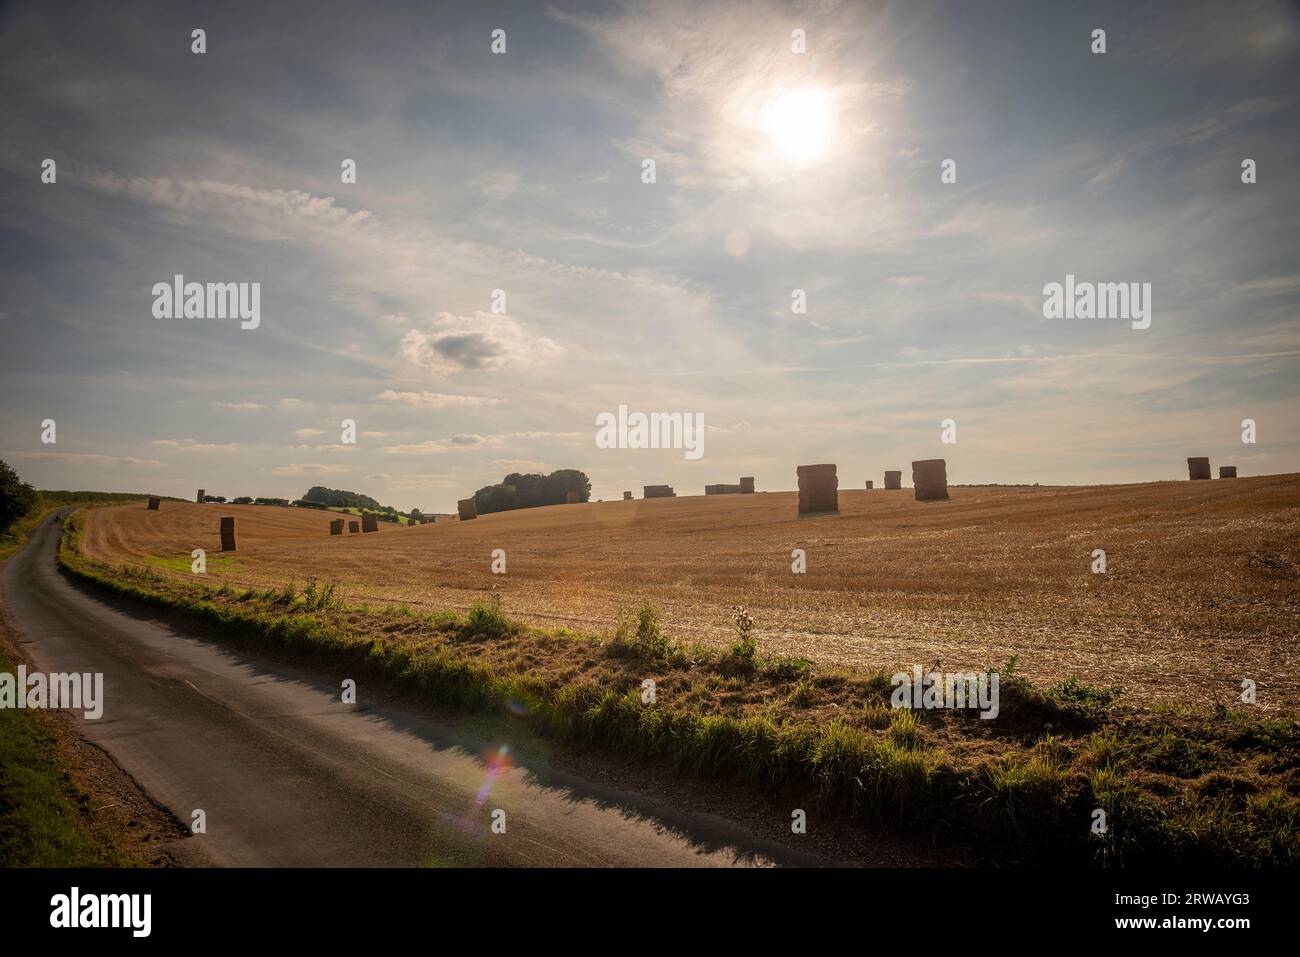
x=12 y=541
x=213 y=563
x=359 y=512
x=641 y=636
x=43 y=814
x=486 y=618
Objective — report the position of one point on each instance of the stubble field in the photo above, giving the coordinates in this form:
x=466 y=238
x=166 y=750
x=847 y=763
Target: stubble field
x=1202 y=588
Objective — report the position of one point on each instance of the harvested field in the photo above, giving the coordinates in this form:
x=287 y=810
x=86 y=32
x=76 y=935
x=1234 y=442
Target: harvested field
x=1202 y=590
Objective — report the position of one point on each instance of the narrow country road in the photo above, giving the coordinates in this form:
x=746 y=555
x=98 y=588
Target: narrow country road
x=288 y=775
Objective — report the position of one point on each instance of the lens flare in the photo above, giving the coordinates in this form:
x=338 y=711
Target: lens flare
x=498 y=763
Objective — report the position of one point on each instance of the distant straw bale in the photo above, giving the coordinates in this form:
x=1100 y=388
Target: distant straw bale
x=1198 y=468
x=930 y=479
x=722 y=489
x=893 y=480
x=466 y=510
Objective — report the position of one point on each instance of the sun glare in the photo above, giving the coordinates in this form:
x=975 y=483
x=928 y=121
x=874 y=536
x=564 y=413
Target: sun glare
x=798 y=124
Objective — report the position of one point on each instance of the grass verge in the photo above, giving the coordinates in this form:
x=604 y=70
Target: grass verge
x=44 y=815
x=1216 y=788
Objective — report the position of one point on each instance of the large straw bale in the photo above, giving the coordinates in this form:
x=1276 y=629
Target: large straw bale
x=818 y=489
x=930 y=479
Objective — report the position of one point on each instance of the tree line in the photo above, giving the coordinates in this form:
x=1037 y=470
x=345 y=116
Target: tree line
x=519 y=490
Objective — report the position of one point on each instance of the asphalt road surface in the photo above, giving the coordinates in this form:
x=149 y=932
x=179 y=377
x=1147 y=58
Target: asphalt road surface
x=288 y=775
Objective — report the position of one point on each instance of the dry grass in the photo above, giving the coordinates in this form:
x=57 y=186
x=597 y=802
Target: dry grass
x=1201 y=591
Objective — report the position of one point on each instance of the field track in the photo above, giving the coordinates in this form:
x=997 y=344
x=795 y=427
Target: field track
x=1202 y=589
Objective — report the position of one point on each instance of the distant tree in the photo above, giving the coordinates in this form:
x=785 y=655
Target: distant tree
x=560 y=483
x=530 y=489
x=243 y=500
x=518 y=490
x=494 y=498
x=340 y=498
x=17 y=498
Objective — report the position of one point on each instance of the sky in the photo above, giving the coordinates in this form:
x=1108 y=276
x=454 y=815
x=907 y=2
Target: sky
x=523 y=172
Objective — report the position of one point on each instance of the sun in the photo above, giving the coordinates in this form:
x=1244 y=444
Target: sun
x=798 y=124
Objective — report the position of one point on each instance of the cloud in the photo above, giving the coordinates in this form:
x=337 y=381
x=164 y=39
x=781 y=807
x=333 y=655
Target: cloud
x=189 y=445
x=456 y=443
x=84 y=458
x=420 y=480
x=239 y=406
x=308 y=468
x=436 y=400
x=719 y=71
x=523 y=465
x=497 y=184
x=740 y=426
x=482 y=343
x=1265 y=288
x=544 y=435
x=204 y=196
x=308 y=433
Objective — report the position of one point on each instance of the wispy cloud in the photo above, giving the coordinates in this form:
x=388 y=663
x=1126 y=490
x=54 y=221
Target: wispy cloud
x=83 y=458
x=308 y=468
x=190 y=445
x=438 y=400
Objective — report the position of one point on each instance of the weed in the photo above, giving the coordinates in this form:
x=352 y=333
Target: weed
x=486 y=619
x=640 y=636
x=743 y=652
x=904 y=729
